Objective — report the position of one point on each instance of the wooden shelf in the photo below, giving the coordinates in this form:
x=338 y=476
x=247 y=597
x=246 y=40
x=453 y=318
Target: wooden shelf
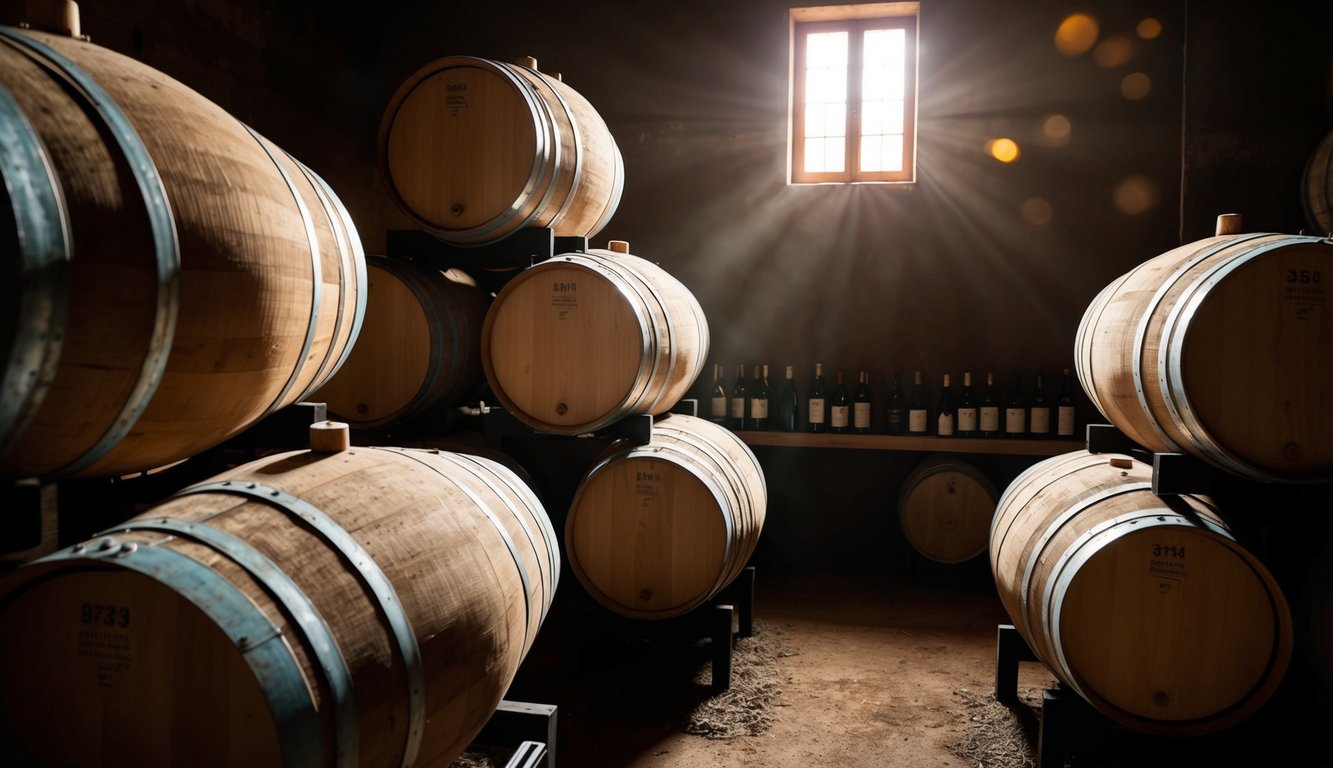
x=912 y=443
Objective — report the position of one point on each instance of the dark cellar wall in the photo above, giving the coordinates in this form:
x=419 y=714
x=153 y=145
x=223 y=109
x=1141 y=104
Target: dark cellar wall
x=944 y=275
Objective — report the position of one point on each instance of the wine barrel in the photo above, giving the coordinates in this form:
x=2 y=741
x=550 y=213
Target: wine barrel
x=655 y=530
x=1220 y=349
x=474 y=150
x=582 y=340
x=1317 y=183
x=1146 y=606
x=945 y=509
x=420 y=346
x=362 y=608
x=175 y=277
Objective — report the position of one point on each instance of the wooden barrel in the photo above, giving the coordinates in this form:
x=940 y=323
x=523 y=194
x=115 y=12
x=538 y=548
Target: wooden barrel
x=362 y=608
x=474 y=150
x=945 y=509
x=582 y=340
x=1220 y=348
x=1144 y=605
x=1317 y=184
x=420 y=346
x=176 y=276
x=655 y=530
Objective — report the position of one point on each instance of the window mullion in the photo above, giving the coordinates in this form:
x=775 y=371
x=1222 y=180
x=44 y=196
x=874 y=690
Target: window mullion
x=855 y=66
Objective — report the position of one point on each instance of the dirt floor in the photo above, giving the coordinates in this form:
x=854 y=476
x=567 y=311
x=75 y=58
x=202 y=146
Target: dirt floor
x=851 y=670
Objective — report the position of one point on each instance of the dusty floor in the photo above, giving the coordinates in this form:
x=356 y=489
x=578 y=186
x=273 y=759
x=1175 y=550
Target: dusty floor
x=872 y=671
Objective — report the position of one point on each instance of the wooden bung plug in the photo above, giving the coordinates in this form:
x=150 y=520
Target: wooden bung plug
x=60 y=17
x=329 y=437
x=527 y=61
x=1121 y=463
x=1228 y=224
x=617 y=246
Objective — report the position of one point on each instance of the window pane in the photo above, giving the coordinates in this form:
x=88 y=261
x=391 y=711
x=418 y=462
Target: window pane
x=871 y=153
x=882 y=83
x=826 y=50
x=825 y=85
x=814 y=155
x=835 y=120
x=893 y=153
x=835 y=155
x=814 y=120
x=895 y=118
x=872 y=118
x=884 y=47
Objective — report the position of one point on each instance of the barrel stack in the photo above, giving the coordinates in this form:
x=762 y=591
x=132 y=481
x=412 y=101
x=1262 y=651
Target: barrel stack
x=1136 y=595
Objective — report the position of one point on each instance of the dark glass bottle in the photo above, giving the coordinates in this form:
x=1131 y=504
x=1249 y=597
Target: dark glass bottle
x=717 y=412
x=944 y=414
x=839 y=407
x=1016 y=410
x=918 y=411
x=988 y=409
x=895 y=409
x=786 y=404
x=1039 y=412
x=815 y=404
x=759 y=399
x=861 y=401
x=1065 y=407
x=739 y=398
x=966 y=425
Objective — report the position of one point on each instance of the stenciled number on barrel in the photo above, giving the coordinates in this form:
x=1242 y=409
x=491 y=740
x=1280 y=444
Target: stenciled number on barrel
x=1303 y=276
x=110 y=615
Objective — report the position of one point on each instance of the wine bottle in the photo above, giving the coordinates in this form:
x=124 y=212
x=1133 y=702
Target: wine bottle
x=895 y=409
x=1016 y=411
x=787 y=404
x=944 y=414
x=1039 y=412
x=839 y=407
x=759 y=399
x=988 y=410
x=861 y=405
x=814 y=405
x=918 y=413
x=967 y=408
x=1065 y=407
x=739 y=396
x=718 y=412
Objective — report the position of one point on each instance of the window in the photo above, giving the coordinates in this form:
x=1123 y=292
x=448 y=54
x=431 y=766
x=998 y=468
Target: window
x=853 y=109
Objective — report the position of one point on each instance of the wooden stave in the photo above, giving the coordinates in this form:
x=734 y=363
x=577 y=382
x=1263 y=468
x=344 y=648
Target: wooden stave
x=1139 y=382
x=135 y=418
x=415 y=482
x=1034 y=601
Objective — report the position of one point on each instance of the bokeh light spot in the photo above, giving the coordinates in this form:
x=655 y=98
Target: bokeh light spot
x=1114 y=52
x=1149 y=28
x=1003 y=149
x=1135 y=86
x=1037 y=211
x=1076 y=34
x=1135 y=195
x=1056 y=130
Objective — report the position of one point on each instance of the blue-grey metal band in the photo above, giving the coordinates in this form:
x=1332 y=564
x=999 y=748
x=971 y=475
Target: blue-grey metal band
x=617 y=190
x=1085 y=339
x=316 y=275
x=321 y=373
x=359 y=261
x=598 y=263
x=259 y=641
x=435 y=331
x=529 y=630
x=632 y=264
x=1171 y=354
x=44 y=251
x=298 y=605
x=368 y=570
x=578 y=151
x=1141 y=333
x=165 y=244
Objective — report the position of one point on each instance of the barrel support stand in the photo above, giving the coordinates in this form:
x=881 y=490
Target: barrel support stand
x=1066 y=719
x=728 y=615
x=531 y=726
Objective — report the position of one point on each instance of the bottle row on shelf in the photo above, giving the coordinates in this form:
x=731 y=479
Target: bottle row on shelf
x=838 y=406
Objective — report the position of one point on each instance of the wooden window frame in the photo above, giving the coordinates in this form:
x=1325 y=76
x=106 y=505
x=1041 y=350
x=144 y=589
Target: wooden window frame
x=855 y=20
